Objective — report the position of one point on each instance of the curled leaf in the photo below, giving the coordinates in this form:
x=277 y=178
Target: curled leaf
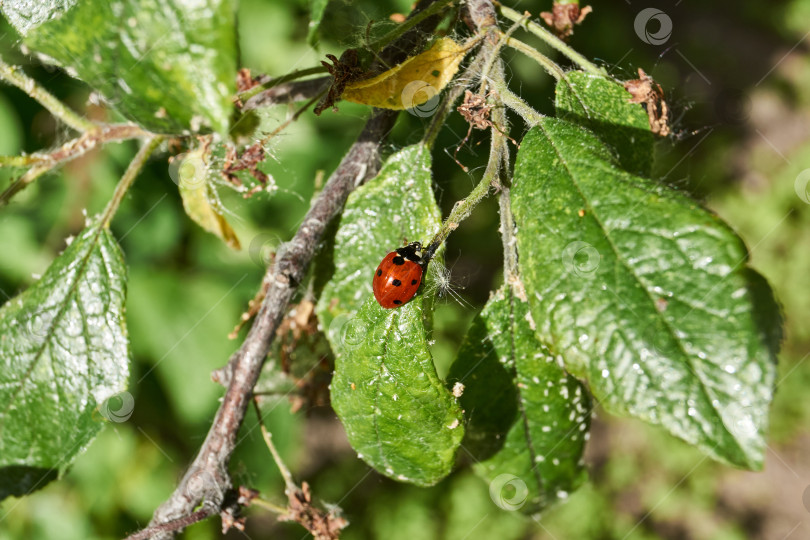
x=414 y=82
x=190 y=171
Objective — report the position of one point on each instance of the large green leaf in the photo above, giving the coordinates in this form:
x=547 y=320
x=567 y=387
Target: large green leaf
x=645 y=294
x=397 y=204
x=604 y=107
x=63 y=353
x=526 y=418
x=398 y=415
x=168 y=65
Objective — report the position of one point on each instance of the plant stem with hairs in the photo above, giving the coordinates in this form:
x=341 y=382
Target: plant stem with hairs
x=129 y=177
x=551 y=40
x=271 y=82
x=18 y=78
x=41 y=163
x=498 y=153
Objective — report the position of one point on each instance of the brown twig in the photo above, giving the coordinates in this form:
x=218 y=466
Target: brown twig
x=289 y=92
x=253 y=86
x=322 y=525
x=282 y=279
x=244 y=367
x=41 y=163
x=174 y=525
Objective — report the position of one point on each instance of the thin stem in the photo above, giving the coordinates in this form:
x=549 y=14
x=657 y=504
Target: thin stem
x=278 y=393
x=19 y=161
x=510 y=255
x=268 y=505
x=409 y=23
x=291 y=487
x=41 y=163
x=172 y=526
x=442 y=112
x=129 y=177
x=448 y=102
x=514 y=102
x=551 y=40
x=507 y=223
x=18 y=78
x=22 y=182
x=275 y=81
x=464 y=207
x=495 y=54
x=552 y=68
x=291 y=119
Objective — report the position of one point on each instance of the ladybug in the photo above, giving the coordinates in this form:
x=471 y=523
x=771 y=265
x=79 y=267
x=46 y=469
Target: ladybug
x=399 y=275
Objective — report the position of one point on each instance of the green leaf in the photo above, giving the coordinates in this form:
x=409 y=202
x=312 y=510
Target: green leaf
x=398 y=415
x=63 y=353
x=168 y=65
x=398 y=203
x=316 y=11
x=604 y=107
x=645 y=294
x=526 y=418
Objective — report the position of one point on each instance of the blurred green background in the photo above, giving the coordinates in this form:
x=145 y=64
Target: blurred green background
x=737 y=78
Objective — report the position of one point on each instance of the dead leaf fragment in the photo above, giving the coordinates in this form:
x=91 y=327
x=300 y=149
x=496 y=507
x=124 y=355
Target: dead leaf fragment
x=244 y=81
x=343 y=70
x=192 y=181
x=646 y=91
x=563 y=17
x=413 y=82
x=322 y=525
x=475 y=110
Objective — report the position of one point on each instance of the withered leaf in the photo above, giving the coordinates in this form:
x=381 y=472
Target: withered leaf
x=413 y=82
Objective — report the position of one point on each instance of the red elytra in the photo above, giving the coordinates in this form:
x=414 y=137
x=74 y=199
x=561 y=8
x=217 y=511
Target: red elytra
x=399 y=275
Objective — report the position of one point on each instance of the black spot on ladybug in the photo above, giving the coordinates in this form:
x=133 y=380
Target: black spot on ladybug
x=396 y=283
x=379 y=272
x=399 y=260
x=397 y=302
x=413 y=282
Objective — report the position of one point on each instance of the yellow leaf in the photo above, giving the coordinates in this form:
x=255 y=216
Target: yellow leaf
x=191 y=176
x=414 y=82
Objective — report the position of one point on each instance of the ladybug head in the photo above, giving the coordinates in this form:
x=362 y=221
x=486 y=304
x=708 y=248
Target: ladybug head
x=413 y=252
